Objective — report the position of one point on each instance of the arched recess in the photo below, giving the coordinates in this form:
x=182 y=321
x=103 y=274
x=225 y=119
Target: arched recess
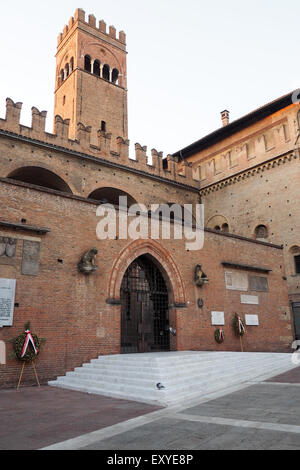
x=294 y=260
x=160 y=256
x=219 y=223
x=109 y=195
x=40 y=177
x=261 y=233
x=176 y=212
x=106 y=72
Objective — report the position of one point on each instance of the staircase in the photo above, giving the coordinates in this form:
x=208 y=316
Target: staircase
x=185 y=375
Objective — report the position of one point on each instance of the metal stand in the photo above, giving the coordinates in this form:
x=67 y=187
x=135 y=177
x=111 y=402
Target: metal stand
x=21 y=374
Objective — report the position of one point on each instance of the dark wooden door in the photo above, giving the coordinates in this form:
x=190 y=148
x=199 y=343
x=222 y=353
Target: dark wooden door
x=296 y=312
x=144 y=300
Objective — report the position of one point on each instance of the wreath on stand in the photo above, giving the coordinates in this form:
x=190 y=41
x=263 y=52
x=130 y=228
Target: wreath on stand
x=238 y=326
x=219 y=336
x=26 y=346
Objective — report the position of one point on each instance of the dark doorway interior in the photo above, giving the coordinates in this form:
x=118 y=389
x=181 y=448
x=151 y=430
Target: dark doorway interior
x=144 y=300
x=296 y=312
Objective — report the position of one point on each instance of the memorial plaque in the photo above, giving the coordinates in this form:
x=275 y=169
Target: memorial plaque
x=249 y=299
x=8 y=247
x=7 y=301
x=251 y=320
x=236 y=281
x=259 y=283
x=31 y=257
x=217 y=318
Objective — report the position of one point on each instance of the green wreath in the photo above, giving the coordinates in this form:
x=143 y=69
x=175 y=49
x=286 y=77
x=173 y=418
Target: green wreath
x=238 y=325
x=219 y=336
x=18 y=344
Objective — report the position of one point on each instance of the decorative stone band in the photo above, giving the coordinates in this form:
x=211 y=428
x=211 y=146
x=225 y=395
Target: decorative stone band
x=267 y=165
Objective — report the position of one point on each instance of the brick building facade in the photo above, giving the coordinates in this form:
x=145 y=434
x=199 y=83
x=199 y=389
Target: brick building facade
x=143 y=290
x=249 y=180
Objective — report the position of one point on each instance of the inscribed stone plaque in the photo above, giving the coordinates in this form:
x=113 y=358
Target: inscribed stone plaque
x=31 y=257
x=8 y=247
x=252 y=320
x=7 y=301
x=259 y=283
x=250 y=299
x=217 y=318
x=235 y=280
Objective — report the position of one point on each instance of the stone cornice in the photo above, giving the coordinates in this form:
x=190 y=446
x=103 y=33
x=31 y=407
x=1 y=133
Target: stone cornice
x=253 y=171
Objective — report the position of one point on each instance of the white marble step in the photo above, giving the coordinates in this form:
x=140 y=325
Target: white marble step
x=169 y=377
x=153 y=366
x=184 y=375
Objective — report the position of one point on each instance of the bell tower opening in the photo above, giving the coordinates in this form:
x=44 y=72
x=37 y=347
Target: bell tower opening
x=91 y=70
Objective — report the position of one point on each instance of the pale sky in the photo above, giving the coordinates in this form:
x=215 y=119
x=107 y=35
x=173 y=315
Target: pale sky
x=187 y=60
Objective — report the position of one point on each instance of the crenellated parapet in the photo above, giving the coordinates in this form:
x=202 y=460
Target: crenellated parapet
x=91 y=23
x=105 y=149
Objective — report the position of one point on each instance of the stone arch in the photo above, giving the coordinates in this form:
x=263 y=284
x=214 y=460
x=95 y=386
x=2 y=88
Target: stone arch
x=160 y=256
x=110 y=195
x=218 y=222
x=106 y=55
x=261 y=232
x=40 y=176
x=293 y=263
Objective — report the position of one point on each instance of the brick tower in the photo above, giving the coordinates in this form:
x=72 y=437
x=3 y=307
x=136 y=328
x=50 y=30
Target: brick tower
x=91 y=85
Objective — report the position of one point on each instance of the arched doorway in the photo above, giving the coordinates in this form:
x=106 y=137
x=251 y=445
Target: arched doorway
x=144 y=308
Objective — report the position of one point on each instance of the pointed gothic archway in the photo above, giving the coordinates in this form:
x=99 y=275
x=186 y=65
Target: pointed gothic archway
x=164 y=293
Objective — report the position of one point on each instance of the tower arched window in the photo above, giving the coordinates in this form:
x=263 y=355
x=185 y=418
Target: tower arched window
x=71 y=64
x=62 y=75
x=105 y=72
x=67 y=70
x=225 y=228
x=97 y=68
x=115 y=76
x=87 y=63
x=261 y=232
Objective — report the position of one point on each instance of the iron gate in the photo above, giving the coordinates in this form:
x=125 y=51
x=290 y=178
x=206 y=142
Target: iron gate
x=144 y=300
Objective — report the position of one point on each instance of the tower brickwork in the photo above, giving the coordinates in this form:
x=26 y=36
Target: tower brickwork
x=90 y=83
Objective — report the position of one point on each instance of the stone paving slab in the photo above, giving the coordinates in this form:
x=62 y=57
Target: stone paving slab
x=175 y=434
x=264 y=402
x=37 y=417
x=264 y=415
x=292 y=377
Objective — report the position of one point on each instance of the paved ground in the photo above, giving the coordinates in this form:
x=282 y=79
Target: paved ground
x=260 y=416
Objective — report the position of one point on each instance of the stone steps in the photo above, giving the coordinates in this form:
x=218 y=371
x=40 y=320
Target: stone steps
x=184 y=375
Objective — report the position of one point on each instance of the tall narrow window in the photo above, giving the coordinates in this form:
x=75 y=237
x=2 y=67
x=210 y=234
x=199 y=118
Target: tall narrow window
x=115 y=76
x=225 y=228
x=97 y=68
x=87 y=63
x=297 y=264
x=103 y=126
x=67 y=70
x=71 y=64
x=105 y=72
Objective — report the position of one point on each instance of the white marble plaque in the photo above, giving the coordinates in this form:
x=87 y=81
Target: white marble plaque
x=7 y=301
x=235 y=280
x=252 y=320
x=250 y=299
x=217 y=318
